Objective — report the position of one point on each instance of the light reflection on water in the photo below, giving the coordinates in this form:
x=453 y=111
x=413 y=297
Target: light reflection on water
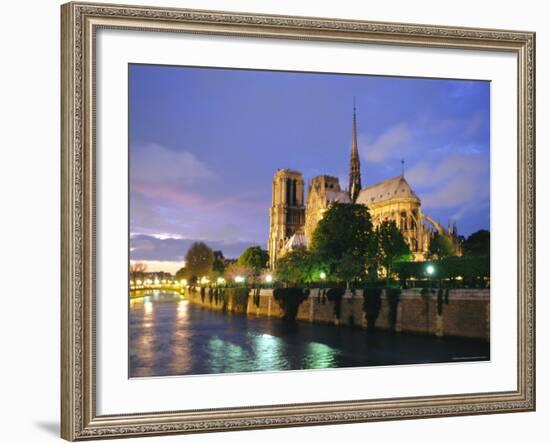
x=170 y=336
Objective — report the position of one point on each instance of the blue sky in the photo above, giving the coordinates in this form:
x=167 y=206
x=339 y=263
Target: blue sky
x=205 y=143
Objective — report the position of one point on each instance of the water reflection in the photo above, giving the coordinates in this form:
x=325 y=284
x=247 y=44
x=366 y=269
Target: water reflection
x=170 y=336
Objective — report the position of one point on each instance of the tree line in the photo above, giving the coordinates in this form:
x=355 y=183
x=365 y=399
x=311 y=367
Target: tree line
x=346 y=248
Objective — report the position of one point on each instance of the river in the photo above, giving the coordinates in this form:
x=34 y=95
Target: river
x=170 y=336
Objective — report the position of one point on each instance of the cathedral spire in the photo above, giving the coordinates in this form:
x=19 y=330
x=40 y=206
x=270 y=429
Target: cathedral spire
x=355 y=166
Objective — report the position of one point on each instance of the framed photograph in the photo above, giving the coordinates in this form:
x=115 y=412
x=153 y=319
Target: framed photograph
x=283 y=221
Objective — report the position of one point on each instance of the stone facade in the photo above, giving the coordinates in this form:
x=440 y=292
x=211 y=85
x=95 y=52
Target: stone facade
x=322 y=191
x=287 y=214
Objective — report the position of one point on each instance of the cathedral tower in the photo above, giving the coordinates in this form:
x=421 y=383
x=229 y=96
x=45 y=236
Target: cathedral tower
x=354 y=165
x=287 y=213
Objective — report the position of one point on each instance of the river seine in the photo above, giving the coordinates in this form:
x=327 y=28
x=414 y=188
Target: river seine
x=170 y=336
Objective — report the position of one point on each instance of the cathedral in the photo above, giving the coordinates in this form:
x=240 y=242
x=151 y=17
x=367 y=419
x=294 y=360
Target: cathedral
x=293 y=219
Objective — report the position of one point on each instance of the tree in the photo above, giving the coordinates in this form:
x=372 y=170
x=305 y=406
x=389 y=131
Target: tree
x=182 y=273
x=477 y=244
x=297 y=266
x=345 y=235
x=237 y=270
x=441 y=247
x=199 y=260
x=218 y=267
x=391 y=246
x=255 y=258
x=137 y=270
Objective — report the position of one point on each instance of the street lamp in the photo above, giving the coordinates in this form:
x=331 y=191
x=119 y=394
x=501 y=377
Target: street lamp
x=323 y=275
x=268 y=278
x=239 y=279
x=430 y=270
x=220 y=280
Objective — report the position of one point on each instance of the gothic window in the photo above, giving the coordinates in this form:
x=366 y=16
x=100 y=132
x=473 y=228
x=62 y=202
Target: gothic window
x=288 y=190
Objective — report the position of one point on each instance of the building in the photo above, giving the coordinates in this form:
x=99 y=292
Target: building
x=292 y=222
x=287 y=213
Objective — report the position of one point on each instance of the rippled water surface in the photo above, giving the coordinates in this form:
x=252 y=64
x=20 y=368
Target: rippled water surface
x=170 y=336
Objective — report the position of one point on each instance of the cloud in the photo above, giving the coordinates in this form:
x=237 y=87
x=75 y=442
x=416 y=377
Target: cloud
x=154 y=163
x=395 y=140
x=459 y=182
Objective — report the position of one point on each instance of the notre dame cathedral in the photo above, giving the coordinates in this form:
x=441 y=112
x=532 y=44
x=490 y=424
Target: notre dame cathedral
x=293 y=220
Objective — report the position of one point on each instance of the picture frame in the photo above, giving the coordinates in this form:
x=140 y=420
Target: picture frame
x=80 y=23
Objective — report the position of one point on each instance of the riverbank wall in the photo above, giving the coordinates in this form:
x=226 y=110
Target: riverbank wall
x=456 y=313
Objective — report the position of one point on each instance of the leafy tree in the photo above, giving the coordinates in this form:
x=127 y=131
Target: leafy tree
x=441 y=247
x=237 y=270
x=296 y=267
x=199 y=260
x=254 y=257
x=349 y=267
x=477 y=244
x=182 y=273
x=137 y=270
x=218 y=266
x=391 y=246
x=343 y=236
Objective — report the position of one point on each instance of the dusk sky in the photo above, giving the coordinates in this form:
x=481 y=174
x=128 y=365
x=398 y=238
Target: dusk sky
x=205 y=143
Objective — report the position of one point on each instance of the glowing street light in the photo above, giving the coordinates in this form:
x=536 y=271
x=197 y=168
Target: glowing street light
x=205 y=280
x=268 y=278
x=239 y=279
x=323 y=275
x=430 y=269
x=220 y=280
x=183 y=282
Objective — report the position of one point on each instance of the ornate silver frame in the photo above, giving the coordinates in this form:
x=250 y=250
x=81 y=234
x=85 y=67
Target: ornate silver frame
x=80 y=21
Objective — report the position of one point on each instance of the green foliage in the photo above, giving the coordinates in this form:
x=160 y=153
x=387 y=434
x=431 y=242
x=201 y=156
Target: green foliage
x=477 y=244
x=235 y=269
x=254 y=258
x=218 y=267
x=335 y=295
x=256 y=296
x=297 y=266
x=289 y=300
x=182 y=273
x=392 y=295
x=372 y=302
x=199 y=260
x=216 y=294
x=203 y=293
x=391 y=246
x=237 y=298
x=343 y=239
x=473 y=270
x=441 y=247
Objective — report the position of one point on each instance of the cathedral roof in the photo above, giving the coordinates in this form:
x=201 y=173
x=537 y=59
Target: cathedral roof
x=396 y=187
x=337 y=196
